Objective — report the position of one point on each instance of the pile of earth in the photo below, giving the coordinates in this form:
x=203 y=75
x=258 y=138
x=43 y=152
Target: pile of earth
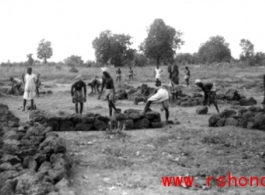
x=250 y=118
x=33 y=160
x=185 y=100
x=133 y=119
x=8 y=91
x=232 y=96
x=139 y=94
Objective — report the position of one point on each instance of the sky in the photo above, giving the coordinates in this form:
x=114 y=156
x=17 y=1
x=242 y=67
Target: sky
x=72 y=25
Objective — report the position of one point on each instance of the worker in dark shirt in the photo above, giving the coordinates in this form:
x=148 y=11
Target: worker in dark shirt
x=209 y=90
x=78 y=92
x=118 y=72
x=187 y=76
x=110 y=91
x=169 y=70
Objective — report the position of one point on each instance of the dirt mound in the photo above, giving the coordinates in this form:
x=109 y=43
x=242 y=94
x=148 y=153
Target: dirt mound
x=32 y=159
x=251 y=118
x=133 y=119
x=73 y=70
x=232 y=96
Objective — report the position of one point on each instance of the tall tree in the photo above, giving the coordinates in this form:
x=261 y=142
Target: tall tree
x=162 y=42
x=30 y=59
x=214 y=50
x=114 y=48
x=248 y=49
x=44 y=50
x=74 y=61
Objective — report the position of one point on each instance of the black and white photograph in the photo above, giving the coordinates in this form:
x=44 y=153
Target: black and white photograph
x=132 y=97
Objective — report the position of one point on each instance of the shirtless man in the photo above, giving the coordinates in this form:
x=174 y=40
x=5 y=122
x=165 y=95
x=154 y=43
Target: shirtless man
x=78 y=96
x=118 y=72
x=16 y=85
x=209 y=93
x=110 y=91
x=95 y=84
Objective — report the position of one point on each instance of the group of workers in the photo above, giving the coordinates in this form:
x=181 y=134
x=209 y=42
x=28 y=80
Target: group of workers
x=163 y=94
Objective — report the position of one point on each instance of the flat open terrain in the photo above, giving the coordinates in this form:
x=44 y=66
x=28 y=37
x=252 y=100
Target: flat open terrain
x=134 y=163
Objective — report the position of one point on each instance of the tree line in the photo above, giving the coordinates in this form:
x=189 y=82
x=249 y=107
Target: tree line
x=159 y=47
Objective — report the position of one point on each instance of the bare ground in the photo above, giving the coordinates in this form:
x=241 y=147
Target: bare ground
x=134 y=163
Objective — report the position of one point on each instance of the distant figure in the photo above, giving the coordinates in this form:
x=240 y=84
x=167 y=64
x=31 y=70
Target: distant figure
x=95 y=84
x=118 y=72
x=38 y=84
x=16 y=85
x=169 y=70
x=130 y=74
x=161 y=95
x=30 y=81
x=187 y=76
x=78 y=92
x=110 y=91
x=209 y=90
x=174 y=81
x=158 y=72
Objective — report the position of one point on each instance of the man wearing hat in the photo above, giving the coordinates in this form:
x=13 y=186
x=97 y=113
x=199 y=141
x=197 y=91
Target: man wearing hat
x=78 y=92
x=209 y=90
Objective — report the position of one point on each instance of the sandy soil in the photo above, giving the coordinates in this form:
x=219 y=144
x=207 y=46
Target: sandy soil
x=135 y=162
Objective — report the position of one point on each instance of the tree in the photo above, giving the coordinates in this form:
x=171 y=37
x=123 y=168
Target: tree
x=185 y=58
x=214 y=50
x=113 y=48
x=248 y=49
x=30 y=59
x=140 y=59
x=44 y=50
x=161 y=42
x=74 y=61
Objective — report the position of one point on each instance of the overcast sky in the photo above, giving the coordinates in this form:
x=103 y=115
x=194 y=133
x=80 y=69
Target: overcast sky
x=72 y=25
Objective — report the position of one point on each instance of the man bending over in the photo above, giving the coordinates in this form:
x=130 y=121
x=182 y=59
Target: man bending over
x=209 y=90
x=110 y=91
x=16 y=85
x=78 y=92
x=95 y=84
x=161 y=95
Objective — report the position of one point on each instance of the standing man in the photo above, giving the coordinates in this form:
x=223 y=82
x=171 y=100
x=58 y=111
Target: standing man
x=38 y=84
x=30 y=81
x=110 y=91
x=175 y=90
x=130 y=74
x=158 y=72
x=209 y=90
x=118 y=72
x=161 y=95
x=187 y=76
x=78 y=92
x=169 y=70
x=16 y=85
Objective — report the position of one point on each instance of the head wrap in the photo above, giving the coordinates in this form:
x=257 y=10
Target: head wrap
x=78 y=78
x=198 y=81
x=104 y=69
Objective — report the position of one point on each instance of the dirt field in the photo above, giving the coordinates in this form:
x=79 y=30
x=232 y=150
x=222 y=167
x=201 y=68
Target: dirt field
x=134 y=163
